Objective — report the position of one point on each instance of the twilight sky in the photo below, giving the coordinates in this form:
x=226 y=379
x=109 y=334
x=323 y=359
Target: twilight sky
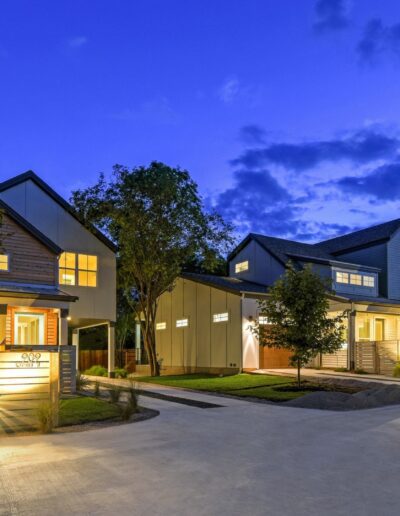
x=286 y=112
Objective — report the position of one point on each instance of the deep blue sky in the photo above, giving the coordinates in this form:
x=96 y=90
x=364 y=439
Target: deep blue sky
x=286 y=112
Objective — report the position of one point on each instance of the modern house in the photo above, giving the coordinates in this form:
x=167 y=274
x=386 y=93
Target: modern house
x=205 y=323
x=56 y=275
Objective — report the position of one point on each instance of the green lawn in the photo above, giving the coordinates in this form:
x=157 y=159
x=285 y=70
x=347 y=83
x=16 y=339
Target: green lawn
x=75 y=411
x=213 y=383
x=266 y=387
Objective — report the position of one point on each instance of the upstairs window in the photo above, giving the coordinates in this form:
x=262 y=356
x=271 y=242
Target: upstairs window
x=4 y=265
x=221 y=317
x=368 y=281
x=356 y=279
x=67 y=269
x=242 y=266
x=342 y=277
x=78 y=269
x=87 y=270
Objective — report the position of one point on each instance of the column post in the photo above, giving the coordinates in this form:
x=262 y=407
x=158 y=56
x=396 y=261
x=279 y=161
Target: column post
x=75 y=342
x=111 y=349
x=63 y=327
x=352 y=339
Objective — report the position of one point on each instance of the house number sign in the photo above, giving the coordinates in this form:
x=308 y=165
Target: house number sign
x=29 y=360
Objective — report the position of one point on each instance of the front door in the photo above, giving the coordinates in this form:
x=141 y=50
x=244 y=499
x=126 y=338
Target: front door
x=29 y=328
x=379 y=329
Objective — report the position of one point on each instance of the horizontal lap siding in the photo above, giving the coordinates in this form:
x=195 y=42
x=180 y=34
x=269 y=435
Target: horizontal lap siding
x=30 y=261
x=23 y=387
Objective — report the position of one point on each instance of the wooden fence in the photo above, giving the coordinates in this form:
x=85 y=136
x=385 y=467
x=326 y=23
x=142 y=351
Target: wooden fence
x=89 y=358
x=377 y=357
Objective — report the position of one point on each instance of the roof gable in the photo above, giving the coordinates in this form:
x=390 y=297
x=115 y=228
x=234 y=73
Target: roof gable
x=27 y=226
x=359 y=239
x=31 y=176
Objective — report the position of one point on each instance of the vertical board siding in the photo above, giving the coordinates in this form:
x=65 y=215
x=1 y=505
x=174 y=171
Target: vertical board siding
x=393 y=266
x=92 y=357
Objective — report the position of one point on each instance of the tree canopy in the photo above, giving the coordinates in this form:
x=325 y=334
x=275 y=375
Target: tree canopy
x=157 y=218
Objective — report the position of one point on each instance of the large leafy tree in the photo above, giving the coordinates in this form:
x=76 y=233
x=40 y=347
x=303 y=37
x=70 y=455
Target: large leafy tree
x=297 y=310
x=157 y=218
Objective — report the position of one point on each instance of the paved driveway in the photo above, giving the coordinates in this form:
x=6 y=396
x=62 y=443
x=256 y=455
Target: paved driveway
x=242 y=459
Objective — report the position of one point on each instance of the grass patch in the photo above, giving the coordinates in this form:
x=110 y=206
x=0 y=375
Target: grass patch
x=270 y=394
x=214 y=383
x=75 y=411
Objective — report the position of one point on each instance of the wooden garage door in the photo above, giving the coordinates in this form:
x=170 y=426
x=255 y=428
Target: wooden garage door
x=274 y=358
x=24 y=384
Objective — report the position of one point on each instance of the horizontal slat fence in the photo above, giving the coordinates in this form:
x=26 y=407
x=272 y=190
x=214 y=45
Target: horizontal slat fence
x=27 y=379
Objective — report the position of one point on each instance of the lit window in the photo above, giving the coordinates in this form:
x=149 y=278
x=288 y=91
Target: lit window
x=181 y=323
x=221 y=317
x=67 y=269
x=161 y=326
x=84 y=268
x=364 y=330
x=242 y=266
x=263 y=319
x=342 y=277
x=87 y=270
x=3 y=262
x=369 y=281
x=355 y=279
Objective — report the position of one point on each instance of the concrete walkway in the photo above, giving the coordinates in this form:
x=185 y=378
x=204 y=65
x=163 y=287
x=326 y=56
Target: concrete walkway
x=243 y=458
x=326 y=373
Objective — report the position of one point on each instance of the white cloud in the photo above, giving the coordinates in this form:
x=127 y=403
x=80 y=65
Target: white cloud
x=229 y=90
x=77 y=42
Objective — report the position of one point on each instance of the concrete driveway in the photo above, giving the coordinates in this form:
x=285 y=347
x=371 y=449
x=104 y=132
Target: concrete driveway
x=244 y=458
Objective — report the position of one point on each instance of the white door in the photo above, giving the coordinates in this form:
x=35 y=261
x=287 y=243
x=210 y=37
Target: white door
x=28 y=328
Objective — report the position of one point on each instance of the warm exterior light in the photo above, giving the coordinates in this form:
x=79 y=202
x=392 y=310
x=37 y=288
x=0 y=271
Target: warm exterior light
x=69 y=318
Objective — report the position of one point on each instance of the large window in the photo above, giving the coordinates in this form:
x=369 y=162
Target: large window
x=356 y=279
x=368 y=281
x=29 y=328
x=364 y=329
x=242 y=266
x=78 y=269
x=4 y=265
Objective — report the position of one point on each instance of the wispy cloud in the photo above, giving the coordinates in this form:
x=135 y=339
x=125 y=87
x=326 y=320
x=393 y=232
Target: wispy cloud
x=377 y=40
x=77 y=42
x=252 y=134
x=229 y=90
x=331 y=15
x=158 y=110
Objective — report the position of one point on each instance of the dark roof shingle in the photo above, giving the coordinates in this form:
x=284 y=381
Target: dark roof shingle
x=234 y=285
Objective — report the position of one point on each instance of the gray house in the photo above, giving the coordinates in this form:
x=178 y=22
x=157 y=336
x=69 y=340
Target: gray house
x=196 y=332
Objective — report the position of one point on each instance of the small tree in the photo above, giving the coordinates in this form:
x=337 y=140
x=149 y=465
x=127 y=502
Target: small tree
x=157 y=218
x=297 y=310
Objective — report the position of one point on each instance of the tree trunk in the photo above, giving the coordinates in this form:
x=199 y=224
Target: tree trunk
x=150 y=346
x=298 y=373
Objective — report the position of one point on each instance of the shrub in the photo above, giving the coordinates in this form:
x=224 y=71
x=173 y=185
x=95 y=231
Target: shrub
x=96 y=370
x=396 y=370
x=341 y=370
x=130 y=407
x=46 y=413
x=360 y=371
x=115 y=393
x=96 y=389
x=81 y=381
x=120 y=372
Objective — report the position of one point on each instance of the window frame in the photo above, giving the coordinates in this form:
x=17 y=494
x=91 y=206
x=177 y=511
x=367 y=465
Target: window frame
x=220 y=317
x=342 y=274
x=78 y=271
x=162 y=325
x=7 y=256
x=182 y=323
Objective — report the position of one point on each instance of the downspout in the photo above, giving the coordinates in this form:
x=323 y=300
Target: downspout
x=352 y=337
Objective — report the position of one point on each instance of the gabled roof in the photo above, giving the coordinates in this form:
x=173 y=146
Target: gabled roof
x=283 y=250
x=18 y=219
x=233 y=285
x=359 y=239
x=29 y=175
x=35 y=292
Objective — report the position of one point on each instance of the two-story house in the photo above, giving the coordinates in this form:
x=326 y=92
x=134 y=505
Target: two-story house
x=57 y=276
x=205 y=323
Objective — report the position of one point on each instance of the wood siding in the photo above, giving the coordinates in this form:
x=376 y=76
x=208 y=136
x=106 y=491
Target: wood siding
x=30 y=261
